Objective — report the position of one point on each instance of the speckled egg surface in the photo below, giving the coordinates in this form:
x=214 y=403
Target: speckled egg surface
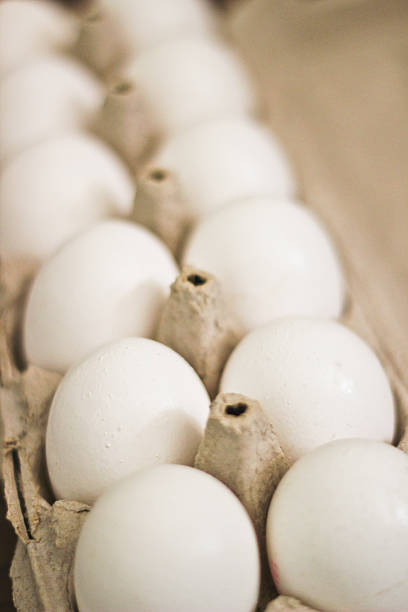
x=337 y=528
x=107 y=283
x=317 y=380
x=273 y=259
x=168 y=539
x=54 y=190
x=226 y=160
x=131 y=404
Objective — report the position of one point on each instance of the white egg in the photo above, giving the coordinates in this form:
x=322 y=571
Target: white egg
x=108 y=283
x=317 y=380
x=337 y=529
x=148 y=23
x=55 y=189
x=30 y=28
x=226 y=160
x=130 y=405
x=167 y=539
x=273 y=259
x=190 y=80
x=48 y=96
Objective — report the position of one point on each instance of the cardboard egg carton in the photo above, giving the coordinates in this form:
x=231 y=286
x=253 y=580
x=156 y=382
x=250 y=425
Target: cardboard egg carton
x=195 y=317
x=194 y=320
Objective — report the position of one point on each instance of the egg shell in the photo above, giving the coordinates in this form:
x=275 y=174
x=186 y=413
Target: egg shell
x=66 y=184
x=148 y=23
x=31 y=28
x=47 y=97
x=107 y=283
x=130 y=405
x=317 y=380
x=170 y=538
x=337 y=528
x=226 y=160
x=272 y=258
x=190 y=80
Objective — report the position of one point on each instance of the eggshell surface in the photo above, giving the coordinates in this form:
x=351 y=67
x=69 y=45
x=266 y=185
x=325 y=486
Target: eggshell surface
x=108 y=283
x=54 y=190
x=316 y=379
x=190 y=80
x=130 y=405
x=273 y=259
x=226 y=160
x=30 y=28
x=148 y=23
x=337 y=528
x=46 y=97
x=178 y=540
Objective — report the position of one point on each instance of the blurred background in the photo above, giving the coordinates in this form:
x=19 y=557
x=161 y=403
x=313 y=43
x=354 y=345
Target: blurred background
x=335 y=78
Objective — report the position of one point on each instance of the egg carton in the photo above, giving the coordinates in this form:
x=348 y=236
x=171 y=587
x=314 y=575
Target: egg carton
x=196 y=323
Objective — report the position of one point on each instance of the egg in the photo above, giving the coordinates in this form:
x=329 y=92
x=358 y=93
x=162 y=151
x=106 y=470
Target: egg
x=105 y=284
x=30 y=28
x=148 y=23
x=190 y=80
x=54 y=190
x=316 y=379
x=167 y=539
x=226 y=160
x=337 y=528
x=272 y=258
x=129 y=405
x=46 y=97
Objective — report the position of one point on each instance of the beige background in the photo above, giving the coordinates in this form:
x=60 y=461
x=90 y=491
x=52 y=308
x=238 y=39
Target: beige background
x=335 y=74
